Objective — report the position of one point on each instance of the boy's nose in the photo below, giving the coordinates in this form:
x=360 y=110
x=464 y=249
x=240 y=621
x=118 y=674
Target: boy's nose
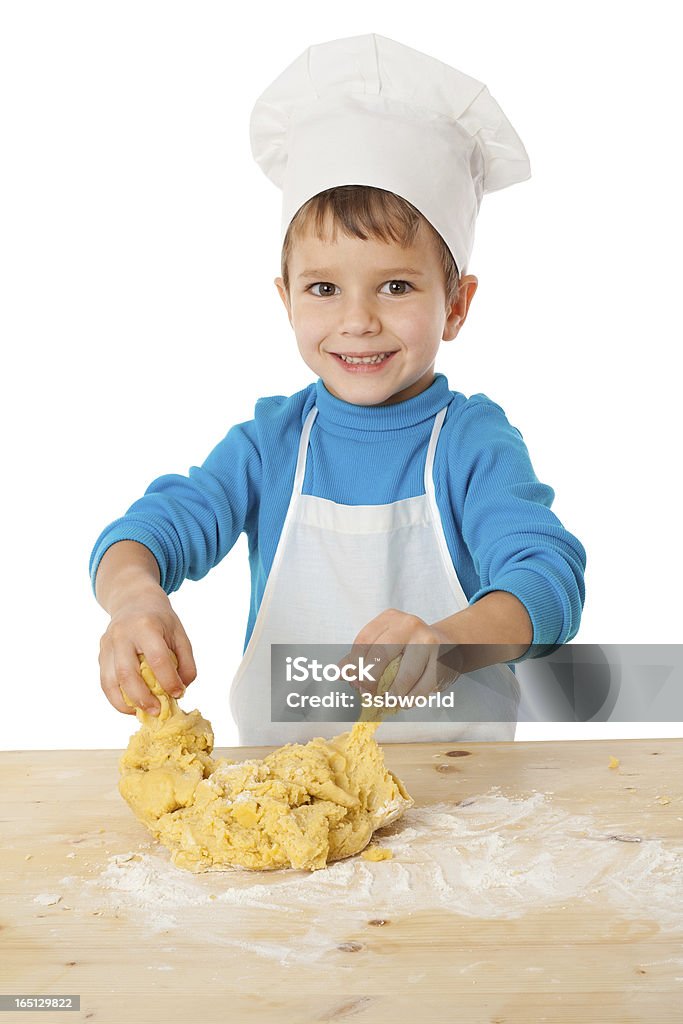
x=357 y=316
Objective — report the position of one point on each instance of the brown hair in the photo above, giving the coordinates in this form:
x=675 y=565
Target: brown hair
x=365 y=211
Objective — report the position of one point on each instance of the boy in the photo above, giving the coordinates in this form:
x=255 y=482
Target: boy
x=381 y=507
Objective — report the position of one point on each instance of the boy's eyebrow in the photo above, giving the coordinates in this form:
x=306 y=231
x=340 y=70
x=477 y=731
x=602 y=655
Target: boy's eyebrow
x=325 y=271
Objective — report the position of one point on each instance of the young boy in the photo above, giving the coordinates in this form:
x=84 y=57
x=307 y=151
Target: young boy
x=381 y=507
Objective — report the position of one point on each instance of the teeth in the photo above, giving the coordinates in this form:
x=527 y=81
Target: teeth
x=366 y=359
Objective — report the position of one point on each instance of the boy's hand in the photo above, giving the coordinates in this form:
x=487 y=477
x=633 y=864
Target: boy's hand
x=396 y=632
x=144 y=624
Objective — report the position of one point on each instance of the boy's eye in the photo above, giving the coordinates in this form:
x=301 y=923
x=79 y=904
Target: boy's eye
x=328 y=288
x=322 y=284
x=406 y=283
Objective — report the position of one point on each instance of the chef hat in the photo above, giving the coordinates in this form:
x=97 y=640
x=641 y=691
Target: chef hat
x=367 y=110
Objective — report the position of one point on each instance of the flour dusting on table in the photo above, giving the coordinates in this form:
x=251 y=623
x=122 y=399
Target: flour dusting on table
x=489 y=857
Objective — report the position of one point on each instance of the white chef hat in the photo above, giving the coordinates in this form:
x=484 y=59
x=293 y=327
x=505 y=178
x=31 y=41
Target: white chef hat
x=367 y=110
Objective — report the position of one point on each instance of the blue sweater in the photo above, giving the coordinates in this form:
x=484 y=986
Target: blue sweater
x=496 y=514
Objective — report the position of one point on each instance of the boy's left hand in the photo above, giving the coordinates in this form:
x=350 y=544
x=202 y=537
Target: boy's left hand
x=395 y=632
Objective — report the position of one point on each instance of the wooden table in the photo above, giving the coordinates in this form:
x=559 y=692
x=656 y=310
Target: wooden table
x=579 y=961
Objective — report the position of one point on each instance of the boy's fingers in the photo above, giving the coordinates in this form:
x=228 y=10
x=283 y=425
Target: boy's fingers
x=120 y=669
x=187 y=670
x=129 y=678
x=160 y=659
x=109 y=684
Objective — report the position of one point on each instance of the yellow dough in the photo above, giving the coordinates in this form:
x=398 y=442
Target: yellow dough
x=301 y=806
x=377 y=853
x=374 y=714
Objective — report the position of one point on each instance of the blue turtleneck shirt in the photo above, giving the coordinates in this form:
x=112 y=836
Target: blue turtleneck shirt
x=496 y=515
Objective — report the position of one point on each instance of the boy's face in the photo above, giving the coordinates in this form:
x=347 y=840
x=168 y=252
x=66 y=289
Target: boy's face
x=358 y=298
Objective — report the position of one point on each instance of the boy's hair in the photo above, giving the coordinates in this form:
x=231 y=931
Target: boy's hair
x=365 y=211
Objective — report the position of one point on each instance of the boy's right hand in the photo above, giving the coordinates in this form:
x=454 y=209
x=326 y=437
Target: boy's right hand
x=144 y=624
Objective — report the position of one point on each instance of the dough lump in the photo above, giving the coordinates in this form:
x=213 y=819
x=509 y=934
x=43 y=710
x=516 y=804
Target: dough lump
x=301 y=806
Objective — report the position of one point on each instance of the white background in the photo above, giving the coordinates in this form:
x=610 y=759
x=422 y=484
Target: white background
x=139 y=242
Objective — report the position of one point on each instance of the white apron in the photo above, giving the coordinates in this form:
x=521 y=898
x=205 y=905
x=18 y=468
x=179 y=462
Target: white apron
x=336 y=567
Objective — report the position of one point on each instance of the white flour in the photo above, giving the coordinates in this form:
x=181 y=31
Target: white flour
x=490 y=857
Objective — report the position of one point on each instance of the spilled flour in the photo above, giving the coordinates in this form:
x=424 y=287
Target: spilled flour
x=489 y=857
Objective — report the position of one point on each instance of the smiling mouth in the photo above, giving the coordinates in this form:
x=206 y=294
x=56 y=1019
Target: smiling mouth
x=363 y=358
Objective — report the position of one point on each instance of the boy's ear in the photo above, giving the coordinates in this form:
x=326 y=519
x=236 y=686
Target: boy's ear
x=457 y=314
x=280 y=285
x=451 y=327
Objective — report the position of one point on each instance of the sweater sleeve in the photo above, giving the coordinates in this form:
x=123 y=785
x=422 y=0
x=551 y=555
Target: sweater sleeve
x=517 y=544
x=190 y=523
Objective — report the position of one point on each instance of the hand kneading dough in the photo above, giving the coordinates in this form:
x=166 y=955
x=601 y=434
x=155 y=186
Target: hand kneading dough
x=301 y=806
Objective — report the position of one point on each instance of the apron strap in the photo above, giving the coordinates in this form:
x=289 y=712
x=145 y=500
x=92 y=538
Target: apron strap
x=430 y=491
x=303 y=449
x=429 y=461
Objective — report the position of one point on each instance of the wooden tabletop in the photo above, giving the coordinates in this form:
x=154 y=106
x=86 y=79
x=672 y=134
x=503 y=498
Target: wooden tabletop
x=608 y=949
